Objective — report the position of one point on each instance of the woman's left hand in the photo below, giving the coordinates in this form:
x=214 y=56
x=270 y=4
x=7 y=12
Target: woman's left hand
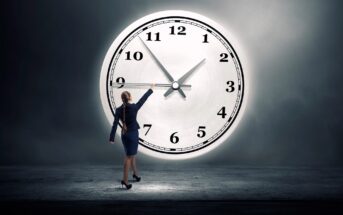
x=153 y=86
x=111 y=142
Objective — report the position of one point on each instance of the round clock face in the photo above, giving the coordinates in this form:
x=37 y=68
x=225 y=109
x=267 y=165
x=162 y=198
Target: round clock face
x=200 y=86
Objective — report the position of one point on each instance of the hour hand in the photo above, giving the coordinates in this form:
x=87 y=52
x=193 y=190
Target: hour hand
x=190 y=72
x=181 y=80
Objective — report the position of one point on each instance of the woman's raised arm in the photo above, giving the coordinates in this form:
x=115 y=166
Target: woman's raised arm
x=144 y=98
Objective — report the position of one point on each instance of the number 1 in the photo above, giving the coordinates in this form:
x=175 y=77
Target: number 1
x=205 y=38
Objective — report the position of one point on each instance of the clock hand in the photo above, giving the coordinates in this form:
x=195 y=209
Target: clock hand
x=184 y=77
x=172 y=88
x=145 y=84
x=171 y=79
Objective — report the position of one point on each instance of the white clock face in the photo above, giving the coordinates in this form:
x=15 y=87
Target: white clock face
x=187 y=115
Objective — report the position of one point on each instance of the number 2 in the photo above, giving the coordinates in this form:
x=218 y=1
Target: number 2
x=224 y=57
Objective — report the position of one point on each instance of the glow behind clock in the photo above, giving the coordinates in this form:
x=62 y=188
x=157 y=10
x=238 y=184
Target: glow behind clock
x=173 y=126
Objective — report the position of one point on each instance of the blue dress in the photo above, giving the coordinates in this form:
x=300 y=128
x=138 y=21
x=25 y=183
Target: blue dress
x=130 y=139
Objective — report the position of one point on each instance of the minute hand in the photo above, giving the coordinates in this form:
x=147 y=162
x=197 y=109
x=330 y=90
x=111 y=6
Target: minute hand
x=171 y=79
x=185 y=76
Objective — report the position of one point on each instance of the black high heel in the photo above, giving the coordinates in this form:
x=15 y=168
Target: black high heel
x=128 y=186
x=136 y=177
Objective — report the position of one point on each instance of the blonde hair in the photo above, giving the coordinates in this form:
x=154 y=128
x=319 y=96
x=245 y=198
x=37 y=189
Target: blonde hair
x=125 y=97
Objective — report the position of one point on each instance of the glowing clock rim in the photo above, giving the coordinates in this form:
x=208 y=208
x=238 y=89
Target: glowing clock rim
x=234 y=44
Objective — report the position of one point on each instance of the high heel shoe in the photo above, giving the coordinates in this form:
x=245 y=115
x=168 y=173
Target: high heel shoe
x=128 y=186
x=136 y=177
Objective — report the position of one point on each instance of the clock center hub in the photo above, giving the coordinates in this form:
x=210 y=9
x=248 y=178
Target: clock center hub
x=175 y=85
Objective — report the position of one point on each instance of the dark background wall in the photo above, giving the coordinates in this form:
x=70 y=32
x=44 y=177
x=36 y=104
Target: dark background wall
x=51 y=54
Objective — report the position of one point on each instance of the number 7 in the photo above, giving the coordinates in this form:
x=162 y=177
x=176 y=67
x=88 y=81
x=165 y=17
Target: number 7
x=147 y=125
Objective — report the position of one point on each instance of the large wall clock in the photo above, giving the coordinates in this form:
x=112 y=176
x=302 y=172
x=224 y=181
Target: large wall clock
x=200 y=89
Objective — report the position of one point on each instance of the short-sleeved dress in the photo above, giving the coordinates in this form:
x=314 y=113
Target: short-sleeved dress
x=131 y=138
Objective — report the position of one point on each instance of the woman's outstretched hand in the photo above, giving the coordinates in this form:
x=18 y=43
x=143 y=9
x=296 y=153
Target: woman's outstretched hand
x=111 y=142
x=153 y=86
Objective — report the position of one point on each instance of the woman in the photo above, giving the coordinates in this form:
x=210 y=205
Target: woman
x=127 y=113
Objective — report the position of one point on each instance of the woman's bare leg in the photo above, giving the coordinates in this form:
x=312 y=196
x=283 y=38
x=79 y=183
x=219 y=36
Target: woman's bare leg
x=127 y=164
x=133 y=165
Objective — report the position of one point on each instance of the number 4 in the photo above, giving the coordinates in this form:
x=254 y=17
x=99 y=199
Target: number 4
x=222 y=112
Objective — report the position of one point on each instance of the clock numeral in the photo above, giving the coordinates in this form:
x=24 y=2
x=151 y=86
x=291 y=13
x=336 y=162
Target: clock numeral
x=137 y=55
x=181 y=29
x=230 y=88
x=120 y=80
x=205 y=38
x=222 y=112
x=147 y=125
x=157 y=36
x=224 y=57
x=173 y=138
x=201 y=132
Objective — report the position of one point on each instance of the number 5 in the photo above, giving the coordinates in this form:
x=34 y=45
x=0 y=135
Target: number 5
x=201 y=133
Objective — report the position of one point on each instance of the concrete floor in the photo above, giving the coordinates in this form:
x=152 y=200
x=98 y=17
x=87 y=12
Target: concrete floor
x=200 y=184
